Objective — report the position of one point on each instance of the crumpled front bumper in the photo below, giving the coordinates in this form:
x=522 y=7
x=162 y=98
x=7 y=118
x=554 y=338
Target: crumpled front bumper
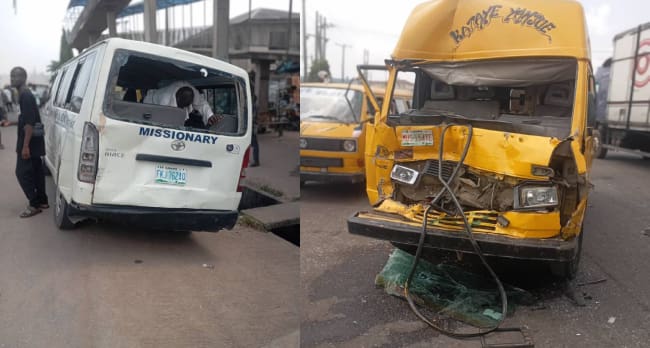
x=390 y=223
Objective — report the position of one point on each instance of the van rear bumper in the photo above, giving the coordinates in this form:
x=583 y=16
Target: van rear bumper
x=159 y=218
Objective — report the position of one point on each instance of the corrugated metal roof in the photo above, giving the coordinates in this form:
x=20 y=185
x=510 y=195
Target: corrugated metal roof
x=264 y=14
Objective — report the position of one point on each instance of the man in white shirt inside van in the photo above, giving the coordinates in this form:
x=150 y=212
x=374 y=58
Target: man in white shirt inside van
x=167 y=96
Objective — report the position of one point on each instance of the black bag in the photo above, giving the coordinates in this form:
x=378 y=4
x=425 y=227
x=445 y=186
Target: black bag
x=195 y=120
x=38 y=130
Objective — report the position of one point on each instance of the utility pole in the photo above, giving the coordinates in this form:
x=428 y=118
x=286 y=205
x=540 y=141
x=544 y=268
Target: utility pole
x=304 y=41
x=289 y=28
x=343 y=46
x=324 y=52
x=221 y=21
x=150 y=21
x=317 y=33
x=320 y=35
x=250 y=30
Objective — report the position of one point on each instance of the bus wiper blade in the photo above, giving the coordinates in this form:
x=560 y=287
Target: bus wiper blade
x=324 y=117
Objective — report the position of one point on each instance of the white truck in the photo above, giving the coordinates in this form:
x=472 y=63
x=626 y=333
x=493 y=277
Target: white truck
x=625 y=125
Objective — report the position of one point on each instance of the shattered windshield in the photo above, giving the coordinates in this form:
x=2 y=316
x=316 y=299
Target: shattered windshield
x=322 y=104
x=525 y=96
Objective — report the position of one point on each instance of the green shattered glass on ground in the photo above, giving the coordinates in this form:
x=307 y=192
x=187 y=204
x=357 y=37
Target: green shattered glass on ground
x=449 y=289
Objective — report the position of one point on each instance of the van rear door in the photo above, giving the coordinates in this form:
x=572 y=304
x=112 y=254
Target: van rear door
x=147 y=157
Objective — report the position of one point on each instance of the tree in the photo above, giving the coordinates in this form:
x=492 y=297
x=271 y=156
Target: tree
x=65 y=51
x=65 y=54
x=316 y=66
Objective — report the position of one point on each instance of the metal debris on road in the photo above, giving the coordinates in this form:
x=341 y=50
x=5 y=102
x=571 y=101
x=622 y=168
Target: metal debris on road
x=591 y=282
x=611 y=320
x=206 y=265
x=646 y=232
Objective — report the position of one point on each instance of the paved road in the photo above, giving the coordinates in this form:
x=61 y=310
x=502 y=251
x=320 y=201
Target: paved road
x=104 y=285
x=280 y=159
x=342 y=307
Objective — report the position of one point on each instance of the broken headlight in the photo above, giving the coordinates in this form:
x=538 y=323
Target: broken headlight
x=535 y=196
x=404 y=174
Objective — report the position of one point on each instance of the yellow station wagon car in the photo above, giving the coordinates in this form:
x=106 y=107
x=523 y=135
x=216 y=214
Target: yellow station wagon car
x=333 y=119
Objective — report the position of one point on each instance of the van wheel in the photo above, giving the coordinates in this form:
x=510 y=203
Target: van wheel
x=569 y=269
x=599 y=150
x=61 y=209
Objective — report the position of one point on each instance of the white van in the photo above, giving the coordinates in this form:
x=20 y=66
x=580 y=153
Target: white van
x=113 y=156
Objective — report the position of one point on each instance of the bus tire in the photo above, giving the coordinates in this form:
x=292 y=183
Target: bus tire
x=569 y=269
x=61 y=211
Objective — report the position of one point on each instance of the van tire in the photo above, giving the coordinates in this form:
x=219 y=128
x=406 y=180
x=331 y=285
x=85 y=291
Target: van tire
x=61 y=211
x=569 y=269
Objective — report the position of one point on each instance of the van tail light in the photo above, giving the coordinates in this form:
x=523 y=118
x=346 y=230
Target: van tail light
x=244 y=165
x=87 y=171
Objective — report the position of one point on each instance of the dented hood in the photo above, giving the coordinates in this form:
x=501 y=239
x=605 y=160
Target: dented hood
x=498 y=152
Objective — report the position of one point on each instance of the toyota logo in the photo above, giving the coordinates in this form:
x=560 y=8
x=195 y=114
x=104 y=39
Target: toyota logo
x=178 y=145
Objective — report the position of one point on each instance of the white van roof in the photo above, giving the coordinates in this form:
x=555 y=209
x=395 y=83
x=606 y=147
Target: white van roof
x=172 y=53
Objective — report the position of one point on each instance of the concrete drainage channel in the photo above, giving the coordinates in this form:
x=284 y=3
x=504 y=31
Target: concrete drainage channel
x=264 y=211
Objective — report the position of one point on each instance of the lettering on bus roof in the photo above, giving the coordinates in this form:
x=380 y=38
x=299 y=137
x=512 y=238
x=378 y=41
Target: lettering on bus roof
x=518 y=16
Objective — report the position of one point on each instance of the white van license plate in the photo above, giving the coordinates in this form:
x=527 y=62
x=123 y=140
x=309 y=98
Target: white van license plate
x=170 y=175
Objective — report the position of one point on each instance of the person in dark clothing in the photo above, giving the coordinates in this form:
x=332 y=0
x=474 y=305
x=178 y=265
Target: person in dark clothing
x=3 y=119
x=30 y=148
x=254 y=144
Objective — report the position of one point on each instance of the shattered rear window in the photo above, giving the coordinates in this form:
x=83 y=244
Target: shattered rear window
x=142 y=88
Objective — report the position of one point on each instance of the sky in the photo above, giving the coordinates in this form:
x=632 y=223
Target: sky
x=31 y=36
x=376 y=25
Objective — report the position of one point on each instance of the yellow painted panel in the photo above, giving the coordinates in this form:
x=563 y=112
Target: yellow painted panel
x=482 y=29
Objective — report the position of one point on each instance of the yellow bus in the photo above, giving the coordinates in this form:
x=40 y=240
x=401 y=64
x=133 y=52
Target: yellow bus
x=497 y=146
x=333 y=118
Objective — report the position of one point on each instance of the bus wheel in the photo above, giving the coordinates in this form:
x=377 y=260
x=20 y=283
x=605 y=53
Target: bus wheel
x=599 y=150
x=569 y=269
x=61 y=209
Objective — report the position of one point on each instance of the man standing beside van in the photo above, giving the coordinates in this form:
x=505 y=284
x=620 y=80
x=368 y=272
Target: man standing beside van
x=30 y=147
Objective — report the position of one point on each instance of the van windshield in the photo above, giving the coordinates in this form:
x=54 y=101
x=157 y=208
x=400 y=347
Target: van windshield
x=322 y=104
x=154 y=90
x=525 y=96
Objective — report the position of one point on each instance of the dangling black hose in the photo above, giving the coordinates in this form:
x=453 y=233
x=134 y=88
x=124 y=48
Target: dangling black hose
x=468 y=229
